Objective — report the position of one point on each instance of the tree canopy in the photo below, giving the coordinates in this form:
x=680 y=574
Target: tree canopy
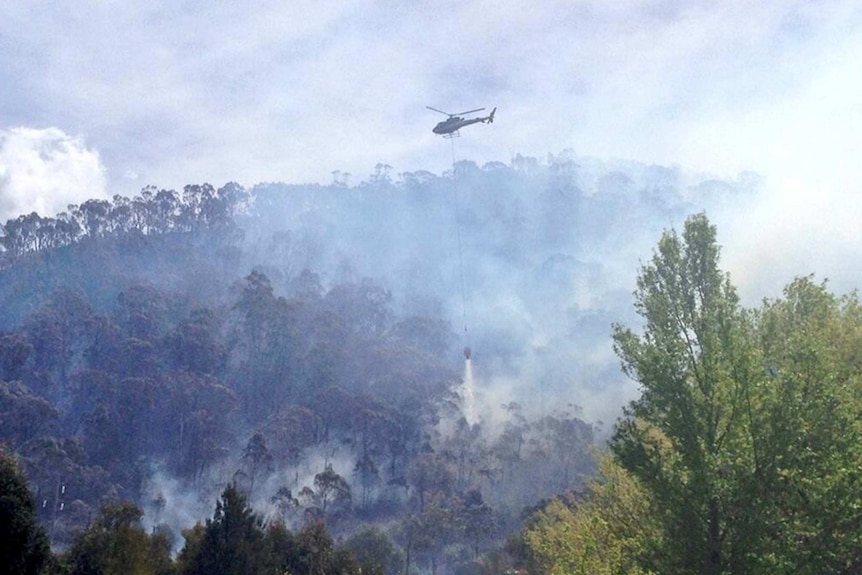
x=744 y=445
x=25 y=547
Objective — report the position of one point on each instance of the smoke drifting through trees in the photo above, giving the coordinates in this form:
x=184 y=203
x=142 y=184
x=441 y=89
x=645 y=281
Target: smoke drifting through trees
x=200 y=336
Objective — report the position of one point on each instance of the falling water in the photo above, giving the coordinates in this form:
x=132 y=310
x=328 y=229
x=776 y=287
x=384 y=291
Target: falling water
x=469 y=397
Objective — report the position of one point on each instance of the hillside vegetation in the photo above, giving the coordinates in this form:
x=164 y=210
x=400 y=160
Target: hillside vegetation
x=292 y=353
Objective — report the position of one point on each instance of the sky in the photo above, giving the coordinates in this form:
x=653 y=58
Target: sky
x=104 y=97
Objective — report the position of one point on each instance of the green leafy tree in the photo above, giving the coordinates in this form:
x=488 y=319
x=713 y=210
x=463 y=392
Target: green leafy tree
x=686 y=438
x=231 y=542
x=116 y=544
x=746 y=435
x=614 y=530
x=25 y=547
x=807 y=436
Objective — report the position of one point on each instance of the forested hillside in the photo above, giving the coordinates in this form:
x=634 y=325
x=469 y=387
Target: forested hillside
x=302 y=344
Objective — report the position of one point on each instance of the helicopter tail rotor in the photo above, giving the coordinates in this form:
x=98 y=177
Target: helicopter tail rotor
x=491 y=116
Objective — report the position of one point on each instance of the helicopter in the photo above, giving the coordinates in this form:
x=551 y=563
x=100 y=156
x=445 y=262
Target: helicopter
x=449 y=127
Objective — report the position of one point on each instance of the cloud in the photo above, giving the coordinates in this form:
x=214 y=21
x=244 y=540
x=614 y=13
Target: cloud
x=45 y=170
x=172 y=94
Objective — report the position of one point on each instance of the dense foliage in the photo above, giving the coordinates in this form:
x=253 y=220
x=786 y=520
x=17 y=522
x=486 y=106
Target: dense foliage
x=25 y=544
x=745 y=441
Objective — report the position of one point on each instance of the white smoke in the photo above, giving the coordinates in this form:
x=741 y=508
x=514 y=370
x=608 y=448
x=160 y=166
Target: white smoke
x=171 y=503
x=45 y=170
x=469 y=394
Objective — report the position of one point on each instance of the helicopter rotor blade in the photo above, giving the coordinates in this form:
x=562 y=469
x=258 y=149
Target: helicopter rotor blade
x=468 y=112
x=441 y=111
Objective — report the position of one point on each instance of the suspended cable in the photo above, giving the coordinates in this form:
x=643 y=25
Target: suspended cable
x=460 y=248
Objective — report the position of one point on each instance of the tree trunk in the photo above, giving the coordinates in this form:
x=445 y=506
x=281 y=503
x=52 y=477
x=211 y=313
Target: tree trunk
x=713 y=565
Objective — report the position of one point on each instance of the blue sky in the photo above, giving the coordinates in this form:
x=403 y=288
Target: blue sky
x=106 y=96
